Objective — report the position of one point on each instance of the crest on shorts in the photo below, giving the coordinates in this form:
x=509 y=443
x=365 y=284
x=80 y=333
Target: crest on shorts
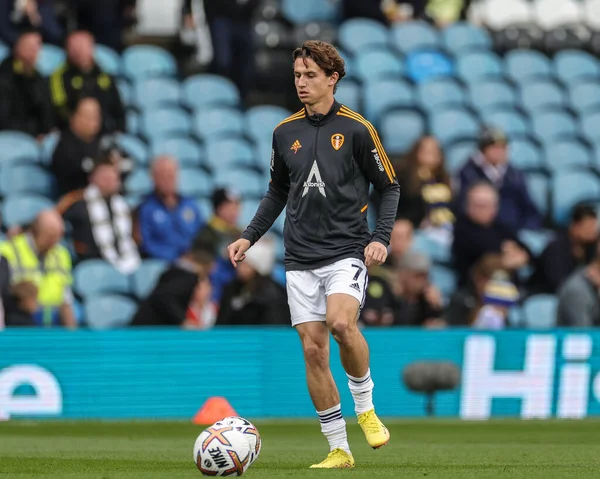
x=337 y=141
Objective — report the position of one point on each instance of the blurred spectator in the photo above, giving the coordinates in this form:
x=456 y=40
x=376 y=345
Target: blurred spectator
x=217 y=234
x=579 y=297
x=24 y=305
x=401 y=240
x=176 y=290
x=168 y=222
x=425 y=184
x=37 y=256
x=195 y=32
x=468 y=300
x=24 y=97
x=253 y=297
x=78 y=148
x=478 y=231
x=101 y=220
x=81 y=77
x=105 y=19
x=4 y=289
x=231 y=27
x=16 y=15
x=490 y=163
x=569 y=250
x=499 y=295
x=201 y=312
x=378 y=309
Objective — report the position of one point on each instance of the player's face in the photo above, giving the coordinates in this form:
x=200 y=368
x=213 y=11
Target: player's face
x=312 y=85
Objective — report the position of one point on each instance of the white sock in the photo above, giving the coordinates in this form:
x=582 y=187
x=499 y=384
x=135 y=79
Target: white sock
x=333 y=427
x=362 y=392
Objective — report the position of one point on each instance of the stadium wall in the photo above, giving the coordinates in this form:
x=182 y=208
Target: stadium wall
x=169 y=374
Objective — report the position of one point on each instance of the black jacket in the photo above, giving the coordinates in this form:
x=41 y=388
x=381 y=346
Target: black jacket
x=262 y=302
x=168 y=302
x=24 y=100
x=321 y=168
x=67 y=84
x=72 y=161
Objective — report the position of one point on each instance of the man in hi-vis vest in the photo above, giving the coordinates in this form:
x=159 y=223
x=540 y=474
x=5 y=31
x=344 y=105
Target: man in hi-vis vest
x=36 y=256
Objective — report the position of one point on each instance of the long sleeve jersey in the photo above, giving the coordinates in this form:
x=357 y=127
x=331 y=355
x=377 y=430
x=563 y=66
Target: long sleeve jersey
x=321 y=170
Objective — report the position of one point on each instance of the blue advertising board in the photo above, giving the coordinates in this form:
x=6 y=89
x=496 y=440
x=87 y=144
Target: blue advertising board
x=169 y=374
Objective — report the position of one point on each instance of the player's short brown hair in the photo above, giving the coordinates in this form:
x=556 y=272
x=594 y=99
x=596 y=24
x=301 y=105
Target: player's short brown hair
x=325 y=56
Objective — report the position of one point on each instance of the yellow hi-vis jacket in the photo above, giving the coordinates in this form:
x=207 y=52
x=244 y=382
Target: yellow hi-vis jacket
x=52 y=278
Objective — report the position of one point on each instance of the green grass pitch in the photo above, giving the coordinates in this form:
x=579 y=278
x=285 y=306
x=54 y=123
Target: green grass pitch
x=424 y=449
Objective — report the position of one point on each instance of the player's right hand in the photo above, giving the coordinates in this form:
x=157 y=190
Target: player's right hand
x=237 y=251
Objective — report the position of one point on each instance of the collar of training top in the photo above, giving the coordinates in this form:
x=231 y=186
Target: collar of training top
x=319 y=119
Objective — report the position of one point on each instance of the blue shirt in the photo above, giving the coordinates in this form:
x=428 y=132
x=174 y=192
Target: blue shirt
x=168 y=233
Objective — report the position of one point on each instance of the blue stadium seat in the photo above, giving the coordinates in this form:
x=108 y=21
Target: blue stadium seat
x=590 y=126
x=461 y=37
x=567 y=154
x=409 y=36
x=476 y=66
x=18 y=147
x=400 y=129
x=48 y=146
x=278 y=274
x=134 y=147
x=22 y=209
x=540 y=95
x=95 y=277
x=572 y=66
x=156 y=93
x=139 y=182
x=349 y=94
x=133 y=122
x=585 y=96
x=377 y=64
x=213 y=123
x=49 y=59
x=4 y=52
x=380 y=96
x=108 y=60
x=492 y=94
x=522 y=66
x=457 y=154
x=247 y=211
x=248 y=183
x=147 y=61
x=539 y=311
x=536 y=240
x=423 y=65
x=440 y=92
x=109 y=312
x=309 y=10
x=513 y=123
x=525 y=155
x=125 y=92
x=550 y=125
x=452 y=125
x=224 y=153
x=195 y=182
x=200 y=91
x=17 y=179
x=186 y=151
x=260 y=121
x=205 y=207
x=435 y=250
x=570 y=188
x=133 y=201
x=146 y=276
x=444 y=279
x=538 y=186
x=165 y=122
x=360 y=33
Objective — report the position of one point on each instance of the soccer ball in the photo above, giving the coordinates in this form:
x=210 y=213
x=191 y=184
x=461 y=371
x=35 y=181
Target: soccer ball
x=222 y=451
x=248 y=429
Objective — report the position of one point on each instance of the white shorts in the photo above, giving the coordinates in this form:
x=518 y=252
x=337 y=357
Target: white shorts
x=308 y=290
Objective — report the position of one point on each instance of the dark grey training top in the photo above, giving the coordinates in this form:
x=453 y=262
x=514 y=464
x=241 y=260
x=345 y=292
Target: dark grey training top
x=321 y=168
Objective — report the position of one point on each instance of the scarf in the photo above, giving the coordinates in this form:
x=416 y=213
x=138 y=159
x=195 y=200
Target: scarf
x=108 y=234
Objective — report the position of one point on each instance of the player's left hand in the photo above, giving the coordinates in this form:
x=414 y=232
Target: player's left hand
x=375 y=254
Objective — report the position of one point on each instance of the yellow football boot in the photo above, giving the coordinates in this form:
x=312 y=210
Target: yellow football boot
x=336 y=459
x=376 y=433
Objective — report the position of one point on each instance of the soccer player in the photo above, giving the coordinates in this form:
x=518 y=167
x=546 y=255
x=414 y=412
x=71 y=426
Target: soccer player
x=323 y=159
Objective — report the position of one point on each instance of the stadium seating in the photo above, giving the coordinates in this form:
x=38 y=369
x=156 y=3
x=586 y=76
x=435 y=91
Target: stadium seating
x=540 y=95
x=200 y=91
x=224 y=153
x=95 y=277
x=165 y=122
x=187 y=151
x=522 y=66
x=407 y=37
x=109 y=312
x=539 y=190
x=214 y=123
x=457 y=154
x=462 y=37
x=400 y=129
x=260 y=121
x=139 y=182
x=194 y=182
x=156 y=93
x=570 y=188
x=145 y=277
x=308 y=10
x=585 y=96
x=455 y=124
x=134 y=148
x=492 y=94
x=358 y=34
x=49 y=59
x=349 y=93
x=480 y=65
x=18 y=147
x=423 y=65
x=22 y=209
x=377 y=64
x=440 y=92
x=16 y=179
x=382 y=95
x=567 y=154
x=146 y=61
x=513 y=123
x=539 y=312
x=444 y=279
x=108 y=59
